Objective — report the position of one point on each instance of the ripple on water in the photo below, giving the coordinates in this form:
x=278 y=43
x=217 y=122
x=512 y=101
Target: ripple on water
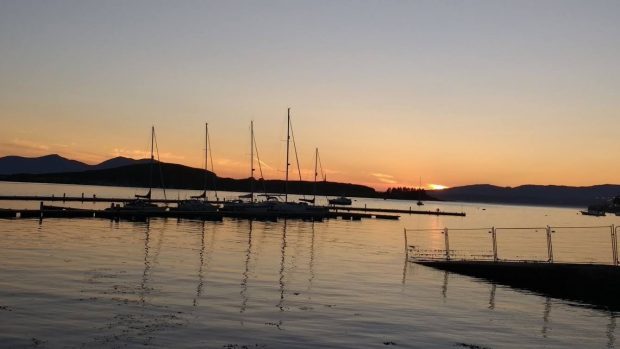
x=235 y=284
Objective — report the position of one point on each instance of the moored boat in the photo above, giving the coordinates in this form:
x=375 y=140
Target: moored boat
x=595 y=213
x=143 y=203
x=200 y=203
x=340 y=201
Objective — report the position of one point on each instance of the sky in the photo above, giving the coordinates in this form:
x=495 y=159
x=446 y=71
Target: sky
x=393 y=93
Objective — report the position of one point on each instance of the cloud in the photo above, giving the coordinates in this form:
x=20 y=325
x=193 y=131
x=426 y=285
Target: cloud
x=23 y=144
x=384 y=178
x=141 y=154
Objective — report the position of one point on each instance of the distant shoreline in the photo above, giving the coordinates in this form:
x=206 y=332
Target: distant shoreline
x=524 y=204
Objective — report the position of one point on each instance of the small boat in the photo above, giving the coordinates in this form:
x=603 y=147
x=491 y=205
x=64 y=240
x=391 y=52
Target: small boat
x=340 y=201
x=420 y=203
x=141 y=205
x=594 y=213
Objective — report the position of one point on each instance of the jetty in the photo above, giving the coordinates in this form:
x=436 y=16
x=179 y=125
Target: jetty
x=331 y=208
x=115 y=212
x=436 y=212
x=594 y=281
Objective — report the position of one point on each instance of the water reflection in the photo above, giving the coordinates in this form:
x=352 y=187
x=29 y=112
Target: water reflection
x=311 y=262
x=282 y=265
x=444 y=286
x=492 y=296
x=147 y=263
x=611 y=330
x=546 y=313
x=201 y=257
x=246 y=271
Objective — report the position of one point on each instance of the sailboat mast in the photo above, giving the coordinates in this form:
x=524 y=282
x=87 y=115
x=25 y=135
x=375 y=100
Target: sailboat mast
x=252 y=161
x=316 y=160
x=151 y=163
x=288 y=138
x=206 y=157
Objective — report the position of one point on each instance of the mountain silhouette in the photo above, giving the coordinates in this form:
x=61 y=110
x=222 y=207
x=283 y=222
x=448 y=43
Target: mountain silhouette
x=44 y=164
x=184 y=177
x=544 y=195
x=55 y=163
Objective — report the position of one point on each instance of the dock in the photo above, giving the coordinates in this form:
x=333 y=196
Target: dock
x=46 y=211
x=594 y=284
x=95 y=198
x=577 y=279
x=394 y=210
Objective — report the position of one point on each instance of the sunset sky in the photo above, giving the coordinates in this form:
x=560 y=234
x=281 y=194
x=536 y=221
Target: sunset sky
x=454 y=92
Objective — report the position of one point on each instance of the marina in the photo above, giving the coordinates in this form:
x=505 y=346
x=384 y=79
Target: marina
x=161 y=184
x=334 y=210
x=116 y=213
x=289 y=283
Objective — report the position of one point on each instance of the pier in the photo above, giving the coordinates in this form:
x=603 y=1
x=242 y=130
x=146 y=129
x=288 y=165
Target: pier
x=558 y=262
x=46 y=211
x=393 y=210
x=345 y=212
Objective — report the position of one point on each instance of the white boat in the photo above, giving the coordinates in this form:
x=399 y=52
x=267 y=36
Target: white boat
x=200 y=203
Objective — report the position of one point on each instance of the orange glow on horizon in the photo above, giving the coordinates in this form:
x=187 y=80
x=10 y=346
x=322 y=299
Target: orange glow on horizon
x=437 y=187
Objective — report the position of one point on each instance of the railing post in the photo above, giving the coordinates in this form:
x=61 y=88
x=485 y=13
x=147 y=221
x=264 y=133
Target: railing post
x=447 y=240
x=549 y=245
x=494 y=237
x=406 y=244
x=614 y=245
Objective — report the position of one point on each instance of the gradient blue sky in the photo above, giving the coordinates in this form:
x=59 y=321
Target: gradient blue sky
x=457 y=92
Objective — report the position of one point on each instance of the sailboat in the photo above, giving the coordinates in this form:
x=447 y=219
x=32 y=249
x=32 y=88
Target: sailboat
x=195 y=203
x=420 y=203
x=248 y=206
x=143 y=202
x=288 y=208
x=316 y=160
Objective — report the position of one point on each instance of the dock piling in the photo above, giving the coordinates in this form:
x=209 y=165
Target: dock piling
x=447 y=243
x=406 y=243
x=549 y=245
x=614 y=243
x=494 y=238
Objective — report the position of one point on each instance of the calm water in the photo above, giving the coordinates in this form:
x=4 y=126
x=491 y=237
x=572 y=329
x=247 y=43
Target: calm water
x=235 y=284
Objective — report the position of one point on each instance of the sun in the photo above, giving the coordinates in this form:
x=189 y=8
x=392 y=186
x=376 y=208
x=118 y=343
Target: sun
x=437 y=187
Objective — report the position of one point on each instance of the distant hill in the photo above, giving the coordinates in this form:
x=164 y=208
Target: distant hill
x=118 y=161
x=44 y=164
x=55 y=163
x=545 y=195
x=184 y=177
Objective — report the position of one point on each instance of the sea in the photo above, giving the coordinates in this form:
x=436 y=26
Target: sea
x=169 y=283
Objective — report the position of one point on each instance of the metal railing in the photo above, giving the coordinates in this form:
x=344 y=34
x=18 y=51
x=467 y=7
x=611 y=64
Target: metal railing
x=573 y=244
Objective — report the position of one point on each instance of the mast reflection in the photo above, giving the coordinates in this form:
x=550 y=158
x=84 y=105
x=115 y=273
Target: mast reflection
x=201 y=256
x=282 y=263
x=246 y=272
x=147 y=263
